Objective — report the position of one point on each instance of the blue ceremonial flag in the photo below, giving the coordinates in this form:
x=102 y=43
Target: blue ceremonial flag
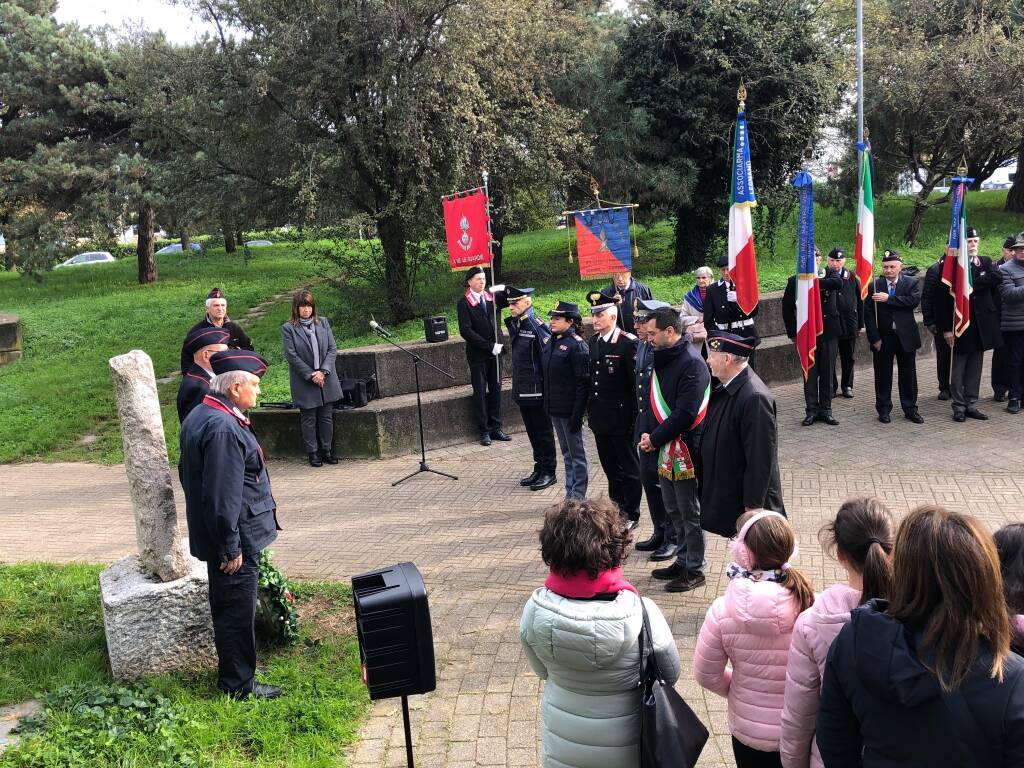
x=809 y=320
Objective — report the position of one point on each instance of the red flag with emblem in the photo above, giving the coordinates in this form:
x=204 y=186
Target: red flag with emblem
x=465 y=228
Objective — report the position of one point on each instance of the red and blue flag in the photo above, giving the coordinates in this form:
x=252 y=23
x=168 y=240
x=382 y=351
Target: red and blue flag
x=603 y=241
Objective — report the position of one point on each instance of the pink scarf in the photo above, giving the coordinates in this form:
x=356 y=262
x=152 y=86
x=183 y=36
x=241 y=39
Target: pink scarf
x=580 y=586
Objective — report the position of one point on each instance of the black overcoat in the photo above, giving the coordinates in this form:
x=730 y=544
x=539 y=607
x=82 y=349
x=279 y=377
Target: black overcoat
x=237 y=340
x=477 y=327
x=898 y=310
x=611 y=403
x=829 y=287
x=851 y=308
x=195 y=383
x=983 y=331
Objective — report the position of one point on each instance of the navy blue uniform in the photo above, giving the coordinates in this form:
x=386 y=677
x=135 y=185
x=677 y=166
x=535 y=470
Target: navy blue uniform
x=231 y=511
x=635 y=290
x=566 y=388
x=195 y=384
x=527 y=337
x=238 y=340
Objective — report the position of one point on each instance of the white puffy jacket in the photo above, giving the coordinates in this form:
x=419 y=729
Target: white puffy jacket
x=589 y=654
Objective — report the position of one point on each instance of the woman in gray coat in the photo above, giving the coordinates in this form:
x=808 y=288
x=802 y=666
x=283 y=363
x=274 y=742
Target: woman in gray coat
x=312 y=354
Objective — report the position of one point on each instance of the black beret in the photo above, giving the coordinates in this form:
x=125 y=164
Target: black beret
x=971 y=232
x=216 y=294
x=836 y=253
x=473 y=272
x=723 y=261
x=891 y=255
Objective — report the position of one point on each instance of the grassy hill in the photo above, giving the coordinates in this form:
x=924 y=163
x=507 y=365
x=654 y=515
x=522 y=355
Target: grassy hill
x=57 y=403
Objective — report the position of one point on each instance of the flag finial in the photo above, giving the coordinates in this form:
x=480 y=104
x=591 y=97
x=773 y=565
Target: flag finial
x=741 y=96
x=595 y=190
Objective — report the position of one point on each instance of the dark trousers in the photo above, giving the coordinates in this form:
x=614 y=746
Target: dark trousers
x=1013 y=342
x=818 y=384
x=748 y=757
x=486 y=395
x=965 y=379
x=907 y=361
x=845 y=349
x=233 y=605
x=655 y=503
x=622 y=467
x=683 y=509
x=1000 y=379
x=314 y=420
x=542 y=437
x=943 y=360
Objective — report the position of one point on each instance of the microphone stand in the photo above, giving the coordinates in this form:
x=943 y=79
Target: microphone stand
x=416 y=360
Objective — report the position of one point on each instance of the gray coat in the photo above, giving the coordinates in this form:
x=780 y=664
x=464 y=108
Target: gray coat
x=1012 y=293
x=299 y=353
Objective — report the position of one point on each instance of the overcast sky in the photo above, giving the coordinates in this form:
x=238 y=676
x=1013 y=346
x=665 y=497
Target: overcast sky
x=175 y=21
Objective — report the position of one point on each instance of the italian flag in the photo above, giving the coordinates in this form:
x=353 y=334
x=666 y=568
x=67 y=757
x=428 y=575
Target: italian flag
x=956 y=269
x=674 y=460
x=742 y=263
x=865 y=225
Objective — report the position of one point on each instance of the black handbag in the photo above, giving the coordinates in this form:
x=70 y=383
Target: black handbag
x=671 y=734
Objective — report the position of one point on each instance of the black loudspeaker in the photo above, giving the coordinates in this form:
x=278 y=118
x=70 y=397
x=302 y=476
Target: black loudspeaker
x=396 y=643
x=435 y=328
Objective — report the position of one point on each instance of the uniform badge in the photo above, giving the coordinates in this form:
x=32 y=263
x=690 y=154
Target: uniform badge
x=547 y=339
x=563 y=347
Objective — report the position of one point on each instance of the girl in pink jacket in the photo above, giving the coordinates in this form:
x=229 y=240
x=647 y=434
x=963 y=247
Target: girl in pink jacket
x=743 y=644
x=860 y=538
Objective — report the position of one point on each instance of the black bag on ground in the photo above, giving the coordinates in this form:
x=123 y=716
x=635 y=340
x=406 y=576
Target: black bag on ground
x=355 y=393
x=671 y=734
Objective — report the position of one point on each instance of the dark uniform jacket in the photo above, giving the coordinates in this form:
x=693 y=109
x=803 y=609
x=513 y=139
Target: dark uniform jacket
x=932 y=278
x=611 y=404
x=725 y=315
x=194 y=386
x=477 y=327
x=643 y=367
x=829 y=287
x=228 y=502
x=527 y=337
x=739 y=457
x=635 y=290
x=983 y=331
x=566 y=377
x=851 y=308
x=238 y=339
x=895 y=315
x=684 y=379
x=881 y=706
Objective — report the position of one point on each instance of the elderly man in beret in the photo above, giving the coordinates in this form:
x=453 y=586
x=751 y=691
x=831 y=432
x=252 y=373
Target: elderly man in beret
x=232 y=515
x=217 y=317
x=202 y=343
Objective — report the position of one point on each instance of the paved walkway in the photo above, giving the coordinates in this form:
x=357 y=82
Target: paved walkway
x=475 y=542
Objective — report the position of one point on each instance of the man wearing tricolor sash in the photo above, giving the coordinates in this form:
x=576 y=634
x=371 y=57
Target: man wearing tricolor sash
x=680 y=389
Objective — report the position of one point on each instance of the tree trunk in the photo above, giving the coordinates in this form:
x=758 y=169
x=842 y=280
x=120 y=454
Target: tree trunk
x=147 y=259
x=921 y=205
x=239 y=237
x=392 y=241
x=10 y=256
x=186 y=242
x=229 y=240
x=1015 y=197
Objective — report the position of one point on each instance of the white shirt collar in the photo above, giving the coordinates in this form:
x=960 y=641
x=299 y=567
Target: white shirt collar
x=606 y=337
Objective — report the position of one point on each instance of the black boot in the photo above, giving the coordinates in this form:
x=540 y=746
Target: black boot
x=328 y=457
x=314 y=460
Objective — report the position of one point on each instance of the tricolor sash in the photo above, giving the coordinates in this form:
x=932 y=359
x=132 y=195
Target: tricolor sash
x=674 y=461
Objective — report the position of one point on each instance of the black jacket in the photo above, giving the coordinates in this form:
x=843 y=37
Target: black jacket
x=983 y=331
x=882 y=708
x=611 y=403
x=851 y=308
x=932 y=278
x=195 y=383
x=238 y=340
x=526 y=340
x=636 y=290
x=829 y=287
x=228 y=502
x=566 y=377
x=684 y=379
x=739 y=457
x=725 y=315
x=643 y=367
x=477 y=328
x=898 y=311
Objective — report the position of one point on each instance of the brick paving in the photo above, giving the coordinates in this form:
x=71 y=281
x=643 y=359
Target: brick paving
x=475 y=542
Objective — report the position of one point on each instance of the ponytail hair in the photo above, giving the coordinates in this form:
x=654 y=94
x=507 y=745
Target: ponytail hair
x=771 y=542
x=863 y=531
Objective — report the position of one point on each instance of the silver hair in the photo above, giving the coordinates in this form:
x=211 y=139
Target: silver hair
x=219 y=298
x=223 y=382
x=703 y=271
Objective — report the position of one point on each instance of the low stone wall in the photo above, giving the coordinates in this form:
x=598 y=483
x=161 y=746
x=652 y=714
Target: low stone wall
x=10 y=338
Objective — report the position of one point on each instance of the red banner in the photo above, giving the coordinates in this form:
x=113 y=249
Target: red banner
x=465 y=227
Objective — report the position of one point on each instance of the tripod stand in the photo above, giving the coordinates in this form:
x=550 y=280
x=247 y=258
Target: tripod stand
x=416 y=360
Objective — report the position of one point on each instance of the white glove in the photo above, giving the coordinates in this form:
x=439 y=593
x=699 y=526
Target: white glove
x=497 y=288
x=496 y=349
x=730 y=296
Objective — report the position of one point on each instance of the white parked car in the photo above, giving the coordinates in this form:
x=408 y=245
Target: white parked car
x=258 y=243
x=90 y=257
x=176 y=248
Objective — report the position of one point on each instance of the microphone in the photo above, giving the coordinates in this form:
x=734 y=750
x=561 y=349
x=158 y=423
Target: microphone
x=379 y=329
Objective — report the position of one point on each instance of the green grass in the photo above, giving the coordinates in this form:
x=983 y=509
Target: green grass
x=75 y=319
x=51 y=635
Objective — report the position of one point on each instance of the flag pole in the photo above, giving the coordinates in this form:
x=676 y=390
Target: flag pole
x=490 y=252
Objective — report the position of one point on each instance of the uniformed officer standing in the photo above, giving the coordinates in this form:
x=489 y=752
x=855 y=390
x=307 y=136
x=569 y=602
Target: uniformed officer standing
x=566 y=387
x=721 y=312
x=478 y=326
x=851 y=323
x=611 y=406
x=527 y=336
x=626 y=291
x=231 y=512
x=195 y=383
x=217 y=317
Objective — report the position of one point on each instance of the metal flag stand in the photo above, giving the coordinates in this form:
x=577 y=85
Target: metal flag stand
x=490 y=253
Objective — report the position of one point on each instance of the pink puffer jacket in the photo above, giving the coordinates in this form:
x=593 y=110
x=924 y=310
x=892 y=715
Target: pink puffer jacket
x=815 y=630
x=749 y=627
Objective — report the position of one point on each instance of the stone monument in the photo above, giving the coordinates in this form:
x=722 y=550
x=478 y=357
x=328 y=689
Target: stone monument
x=10 y=338
x=156 y=609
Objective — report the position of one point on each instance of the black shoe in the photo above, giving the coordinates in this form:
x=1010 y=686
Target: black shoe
x=527 y=481
x=544 y=481
x=974 y=413
x=632 y=524
x=959 y=417
x=666 y=552
x=651 y=544
x=808 y=420
x=998 y=397
x=485 y=439
x=499 y=435
x=259 y=691
x=314 y=460
x=829 y=419
x=884 y=418
x=691 y=580
x=328 y=457
x=848 y=393
x=944 y=394
x=915 y=417
x=1013 y=406
x=673 y=571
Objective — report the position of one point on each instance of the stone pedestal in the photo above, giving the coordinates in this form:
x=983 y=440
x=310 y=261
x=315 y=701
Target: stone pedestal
x=156 y=627
x=10 y=338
